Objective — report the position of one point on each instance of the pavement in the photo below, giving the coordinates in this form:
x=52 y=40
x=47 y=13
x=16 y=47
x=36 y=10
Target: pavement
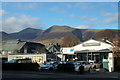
x=38 y=75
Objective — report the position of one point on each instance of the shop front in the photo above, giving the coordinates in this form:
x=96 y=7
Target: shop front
x=96 y=56
x=68 y=54
x=39 y=58
x=92 y=50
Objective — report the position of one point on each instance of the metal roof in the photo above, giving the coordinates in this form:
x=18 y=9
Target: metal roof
x=11 y=45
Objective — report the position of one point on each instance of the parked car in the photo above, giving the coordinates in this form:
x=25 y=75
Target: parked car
x=87 y=65
x=49 y=66
x=2 y=61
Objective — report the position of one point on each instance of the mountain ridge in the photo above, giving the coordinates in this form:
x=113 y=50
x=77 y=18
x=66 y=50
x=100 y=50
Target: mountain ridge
x=56 y=33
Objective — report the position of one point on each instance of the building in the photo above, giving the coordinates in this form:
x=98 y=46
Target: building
x=54 y=50
x=19 y=47
x=68 y=54
x=39 y=58
x=89 y=50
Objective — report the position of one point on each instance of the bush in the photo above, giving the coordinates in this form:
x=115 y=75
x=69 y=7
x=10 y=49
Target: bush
x=20 y=66
x=66 y=67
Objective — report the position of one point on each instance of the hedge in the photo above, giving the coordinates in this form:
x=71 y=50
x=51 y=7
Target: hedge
x=66 y=67
x=20 y=66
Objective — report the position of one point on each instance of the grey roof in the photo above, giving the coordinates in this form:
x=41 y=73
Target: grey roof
x=12 y=45
x=53 y=48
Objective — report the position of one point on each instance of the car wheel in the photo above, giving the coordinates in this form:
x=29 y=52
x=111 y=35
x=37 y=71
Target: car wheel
x=51 y=69
x=90 y=69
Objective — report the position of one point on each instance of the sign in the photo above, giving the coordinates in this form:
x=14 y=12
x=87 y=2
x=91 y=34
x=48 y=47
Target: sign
x=68 y=51
x=37 y=59
x=90 y=44
x=33 y=58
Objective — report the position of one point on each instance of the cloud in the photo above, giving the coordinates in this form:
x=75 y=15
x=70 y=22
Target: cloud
x=18 y=23
x=83 y=27
x=84 y=6
x=58 y=9
x=114 y=6
x=59 y=20
x=86 y=19
x=2 y=12
x=22 y=5
x=73 y=16
x=89 y=19
x=79 y=5
x=26 y=6
x=68 y=5
x=110 y=18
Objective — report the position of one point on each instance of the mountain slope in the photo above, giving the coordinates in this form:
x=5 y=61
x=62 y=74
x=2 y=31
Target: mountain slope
x=26 y=34
x=57 y=33
x=57 y=28
x=4 y=36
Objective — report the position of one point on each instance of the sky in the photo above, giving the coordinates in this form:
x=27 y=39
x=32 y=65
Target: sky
x=17 y=16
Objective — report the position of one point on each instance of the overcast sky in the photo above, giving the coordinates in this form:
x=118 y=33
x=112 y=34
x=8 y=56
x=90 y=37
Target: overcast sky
x=17 y=16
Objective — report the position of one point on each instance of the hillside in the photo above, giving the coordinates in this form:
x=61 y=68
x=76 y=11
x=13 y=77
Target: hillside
x=26 y=34
x=55 y=34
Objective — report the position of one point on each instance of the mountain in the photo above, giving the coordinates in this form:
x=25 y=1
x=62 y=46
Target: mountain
x=26 y=34
x=57 y=28
x=57 y=33
x=100 y=34
x=4 y=36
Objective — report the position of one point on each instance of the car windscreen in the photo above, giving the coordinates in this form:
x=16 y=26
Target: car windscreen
x=77 y=63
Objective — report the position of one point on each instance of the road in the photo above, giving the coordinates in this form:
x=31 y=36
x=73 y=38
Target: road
x=33 y=75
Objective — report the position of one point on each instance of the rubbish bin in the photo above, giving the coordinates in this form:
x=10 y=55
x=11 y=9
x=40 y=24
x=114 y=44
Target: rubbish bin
x=105 y=64
x=81 y=69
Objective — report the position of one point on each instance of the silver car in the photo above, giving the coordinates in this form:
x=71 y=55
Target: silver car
x=50 y=66
x=87 y=65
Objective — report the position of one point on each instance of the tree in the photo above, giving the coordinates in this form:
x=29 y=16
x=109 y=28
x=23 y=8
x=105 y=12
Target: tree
x=116 y=45
x=107 y=33
x=70 y=40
